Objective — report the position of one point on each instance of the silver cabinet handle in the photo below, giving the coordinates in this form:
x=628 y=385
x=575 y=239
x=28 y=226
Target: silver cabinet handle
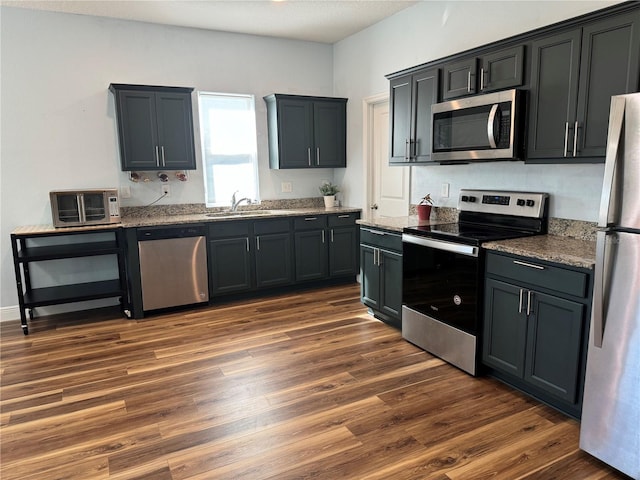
x=309 y=155
x=343 y=216
x=406 y=149
x=469 y=81
x=162 y=150
x=318 y=155
x=530 y=265
x=376 y=256
x=258 y=243
x=157 y=157
x=528 y=302
x=332 y=235
x=482 y=79
x=322 y=236
x=375 y=232
x=490 y=133
x=575 y=139
x=247 y=244
x=520 y=301
x=310 y=219
x=566 y=137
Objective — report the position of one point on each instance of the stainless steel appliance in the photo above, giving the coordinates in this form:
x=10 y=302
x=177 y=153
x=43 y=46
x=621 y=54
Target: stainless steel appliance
x=484 y=127
x=70 y=208
x=610 y=427
x=173 y=266
x=443 y=269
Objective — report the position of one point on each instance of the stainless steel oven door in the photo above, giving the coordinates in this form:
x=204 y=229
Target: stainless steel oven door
x=440 y=299
x=442 y=279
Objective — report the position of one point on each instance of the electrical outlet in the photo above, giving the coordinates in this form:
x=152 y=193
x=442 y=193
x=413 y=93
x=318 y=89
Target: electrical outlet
x=286 y=187
x=444 y=193
x=166 y=191
x=125 y=191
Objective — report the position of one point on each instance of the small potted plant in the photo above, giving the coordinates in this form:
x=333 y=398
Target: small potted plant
x=424 y=207
x=328 y=191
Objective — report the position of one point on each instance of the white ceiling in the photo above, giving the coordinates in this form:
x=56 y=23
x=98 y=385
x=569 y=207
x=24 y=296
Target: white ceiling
x=325 y=21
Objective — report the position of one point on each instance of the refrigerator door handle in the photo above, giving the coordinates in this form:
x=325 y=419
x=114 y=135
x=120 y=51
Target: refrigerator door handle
x=614 y=137
x=599 y=288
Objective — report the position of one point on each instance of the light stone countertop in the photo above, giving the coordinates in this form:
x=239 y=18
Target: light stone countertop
x=553 y=248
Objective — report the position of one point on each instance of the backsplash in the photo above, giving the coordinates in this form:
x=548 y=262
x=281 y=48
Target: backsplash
x=194 y=208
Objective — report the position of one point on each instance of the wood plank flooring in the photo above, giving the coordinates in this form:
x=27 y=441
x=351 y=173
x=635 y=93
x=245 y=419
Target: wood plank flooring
x=300 y=386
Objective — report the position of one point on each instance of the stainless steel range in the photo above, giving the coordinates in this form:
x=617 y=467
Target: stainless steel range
x=443 y=270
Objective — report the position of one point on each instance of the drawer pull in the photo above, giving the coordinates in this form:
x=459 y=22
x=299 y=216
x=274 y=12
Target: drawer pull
x=344 y=216
x=310 y=219
x=530 y=265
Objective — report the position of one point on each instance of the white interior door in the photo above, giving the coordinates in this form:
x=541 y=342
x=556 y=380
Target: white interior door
x=390 y=185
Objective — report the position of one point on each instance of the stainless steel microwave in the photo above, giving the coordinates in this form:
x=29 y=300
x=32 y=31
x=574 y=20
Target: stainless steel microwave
x=71 y=208
x=480 y=128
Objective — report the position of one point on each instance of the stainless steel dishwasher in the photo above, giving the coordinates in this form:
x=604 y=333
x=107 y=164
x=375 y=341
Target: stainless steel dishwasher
x=173 y=266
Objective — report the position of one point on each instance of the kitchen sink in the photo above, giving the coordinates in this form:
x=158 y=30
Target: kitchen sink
x=243 y=213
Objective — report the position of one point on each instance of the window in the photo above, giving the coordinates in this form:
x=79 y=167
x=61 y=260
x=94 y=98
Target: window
x=228 y=132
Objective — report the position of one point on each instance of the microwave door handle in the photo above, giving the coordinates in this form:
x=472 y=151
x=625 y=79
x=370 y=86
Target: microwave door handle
x=490 y=131
x=81 y=214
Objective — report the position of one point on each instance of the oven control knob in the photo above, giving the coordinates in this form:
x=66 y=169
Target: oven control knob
x=464 y=198
x=472 y=198
x=520 y=202
x=530 y=203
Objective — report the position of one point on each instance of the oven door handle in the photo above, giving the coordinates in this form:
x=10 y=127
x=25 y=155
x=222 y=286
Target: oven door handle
x=468 y=250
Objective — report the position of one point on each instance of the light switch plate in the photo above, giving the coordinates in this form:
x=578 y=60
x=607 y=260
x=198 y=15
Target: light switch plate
x=286 y=187
x=444 y=192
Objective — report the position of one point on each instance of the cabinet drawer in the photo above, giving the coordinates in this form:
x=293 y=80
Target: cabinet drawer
x=343 y=219
x=229 y=229
x=536 y=273
x=381 y=238
x=310 y=222
x=263 y=227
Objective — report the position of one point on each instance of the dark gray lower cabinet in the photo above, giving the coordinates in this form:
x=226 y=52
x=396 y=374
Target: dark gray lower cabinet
x=536 y=327
x=381 y=273
x=326 y=246
x=249 y=255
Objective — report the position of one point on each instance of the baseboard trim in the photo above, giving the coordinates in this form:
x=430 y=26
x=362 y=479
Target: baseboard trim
x=9 y=313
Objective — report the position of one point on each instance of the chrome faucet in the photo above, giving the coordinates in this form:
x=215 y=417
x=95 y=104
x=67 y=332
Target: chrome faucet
x=235 y=203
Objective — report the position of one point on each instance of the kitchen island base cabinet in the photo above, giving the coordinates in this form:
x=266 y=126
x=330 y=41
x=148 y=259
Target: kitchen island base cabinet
x=535 y=328
x=381 y=274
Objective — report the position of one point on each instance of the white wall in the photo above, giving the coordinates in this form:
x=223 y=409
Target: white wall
x=58 y=128
x=432 y=30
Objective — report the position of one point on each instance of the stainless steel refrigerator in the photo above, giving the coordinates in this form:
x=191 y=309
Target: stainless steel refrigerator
x=610 y=426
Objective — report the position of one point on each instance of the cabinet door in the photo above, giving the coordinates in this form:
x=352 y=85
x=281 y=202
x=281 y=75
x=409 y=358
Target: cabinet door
x=459 y=79
x=504 y=328
x=273 y=260
x=369 y=277
x=229 y=265
x=295 y=133
x=330 y=134
x=503 y=69
x=175 y=131
x=400 y=117
x=311 y=255
x=609 y=66
x=425 y=87
x=137 y=130
x=554 y=92
x=391 y=283
x=343 y=251
x=554 y=341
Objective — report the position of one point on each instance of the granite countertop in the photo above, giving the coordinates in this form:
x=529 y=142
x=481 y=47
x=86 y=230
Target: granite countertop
x=553 y=248
x=155 y=218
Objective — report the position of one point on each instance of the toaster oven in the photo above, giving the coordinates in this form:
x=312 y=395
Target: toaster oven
x=71 y=208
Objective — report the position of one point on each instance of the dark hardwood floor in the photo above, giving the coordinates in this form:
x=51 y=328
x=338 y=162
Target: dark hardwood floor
x=301 y=386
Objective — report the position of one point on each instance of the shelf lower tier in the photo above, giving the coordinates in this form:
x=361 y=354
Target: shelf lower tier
x=38 y=297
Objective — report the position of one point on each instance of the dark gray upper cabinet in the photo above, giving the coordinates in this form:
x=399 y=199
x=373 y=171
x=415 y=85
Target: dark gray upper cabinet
x=573 y=76
x=306 y=132
x=498 y=70
x=155 y=127
x=410 y=103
